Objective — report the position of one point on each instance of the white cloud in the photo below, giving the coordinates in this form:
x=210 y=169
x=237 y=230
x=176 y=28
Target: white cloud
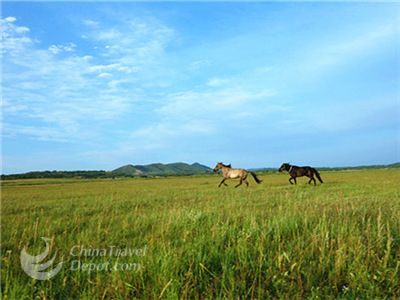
x=54 y=49
x=13 y=38
x=104 y=75
x=60 y=48
x=76 y=98
x=198 y=64
x=60 y=93
x=226 y=101
x=10 y=19
x=70 y=47
x=112 y=68
x=91 y=23
x=134 y=41
x=216 y=82
x=22 y=30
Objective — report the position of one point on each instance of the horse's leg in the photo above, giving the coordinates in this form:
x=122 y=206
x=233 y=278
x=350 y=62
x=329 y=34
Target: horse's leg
x=290 y=180
x=244 y=179
x=222 y=182
x=294 y=178
x=239 y=182
x=311 y=176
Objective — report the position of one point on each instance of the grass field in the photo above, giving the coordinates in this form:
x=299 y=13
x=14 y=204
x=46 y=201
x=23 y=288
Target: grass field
x=340 y=239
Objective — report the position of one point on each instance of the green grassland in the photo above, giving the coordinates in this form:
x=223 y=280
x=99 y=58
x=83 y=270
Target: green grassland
x=340 y=239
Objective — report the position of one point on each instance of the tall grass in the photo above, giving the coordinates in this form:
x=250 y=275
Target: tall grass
x=336 y=240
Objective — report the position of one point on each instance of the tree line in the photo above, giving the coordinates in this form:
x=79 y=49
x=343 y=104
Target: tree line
x=59 y=174
x=92 y=174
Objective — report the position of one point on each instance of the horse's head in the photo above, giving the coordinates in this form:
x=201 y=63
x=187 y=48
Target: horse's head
x=284 y=167
x=218 y=167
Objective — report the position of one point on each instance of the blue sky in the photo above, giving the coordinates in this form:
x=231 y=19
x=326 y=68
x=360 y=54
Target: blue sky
x=97 y=85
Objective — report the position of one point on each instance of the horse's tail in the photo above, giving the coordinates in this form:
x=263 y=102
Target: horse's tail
x=317 y=174
x=255 y=177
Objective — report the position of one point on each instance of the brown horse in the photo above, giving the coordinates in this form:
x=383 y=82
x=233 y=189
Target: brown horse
x=228 y=173
x=295 y=171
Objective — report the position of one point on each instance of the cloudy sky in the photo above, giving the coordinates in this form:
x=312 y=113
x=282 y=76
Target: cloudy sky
x=96 y=85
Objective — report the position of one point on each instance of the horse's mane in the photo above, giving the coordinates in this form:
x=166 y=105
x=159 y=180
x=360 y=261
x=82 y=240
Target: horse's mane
x=228 y=166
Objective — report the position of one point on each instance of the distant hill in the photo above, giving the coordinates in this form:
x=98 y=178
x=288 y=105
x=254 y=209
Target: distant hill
x=390 y=166
x=395 y=165
x=162 y=169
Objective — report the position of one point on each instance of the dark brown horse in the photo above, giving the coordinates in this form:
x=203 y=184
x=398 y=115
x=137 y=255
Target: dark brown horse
x=228 y=173
x=295 y=171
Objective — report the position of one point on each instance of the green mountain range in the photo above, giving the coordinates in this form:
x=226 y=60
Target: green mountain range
x=162 y=169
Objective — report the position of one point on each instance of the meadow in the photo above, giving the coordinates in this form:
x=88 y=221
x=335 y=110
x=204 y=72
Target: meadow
x=340 y=239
